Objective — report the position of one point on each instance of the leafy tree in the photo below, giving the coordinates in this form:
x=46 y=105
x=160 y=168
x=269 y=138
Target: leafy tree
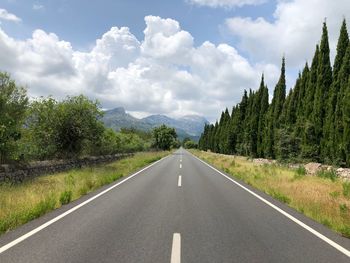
x=190 y=145
x=164 y=137
x=78 y=124
x=64 y=129
x=13 y=105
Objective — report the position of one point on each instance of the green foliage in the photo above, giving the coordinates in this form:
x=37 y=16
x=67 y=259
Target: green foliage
x=190 y=144
x=300 y=172
x=13 y=104
x=66 y=197
x=164 y=137
x=332 y=175
x=311 y=123
x=279 y=196
x=343 y=208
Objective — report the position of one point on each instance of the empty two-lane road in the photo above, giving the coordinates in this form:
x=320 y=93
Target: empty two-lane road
x=178 y=209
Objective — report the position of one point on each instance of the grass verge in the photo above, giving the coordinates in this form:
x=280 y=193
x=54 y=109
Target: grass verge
x=324 y=198
x=23 y=202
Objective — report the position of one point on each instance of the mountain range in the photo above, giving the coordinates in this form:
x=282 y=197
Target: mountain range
x=187 y=126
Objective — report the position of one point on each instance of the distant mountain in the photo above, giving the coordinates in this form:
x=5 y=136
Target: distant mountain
x=186 y=126
x=117 y=118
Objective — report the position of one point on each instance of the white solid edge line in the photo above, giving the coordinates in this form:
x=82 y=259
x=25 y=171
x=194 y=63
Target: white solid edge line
x=176 y=249
x=36 y=230
x=179 y=181
x=297 y=221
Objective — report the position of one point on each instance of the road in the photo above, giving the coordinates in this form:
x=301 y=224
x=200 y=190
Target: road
x=158 y=216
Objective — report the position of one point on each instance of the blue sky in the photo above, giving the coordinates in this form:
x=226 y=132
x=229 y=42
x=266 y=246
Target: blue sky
x=160 y=56
x=82 y=22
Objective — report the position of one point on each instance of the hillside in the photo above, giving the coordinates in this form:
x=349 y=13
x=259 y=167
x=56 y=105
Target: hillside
x=187 y=126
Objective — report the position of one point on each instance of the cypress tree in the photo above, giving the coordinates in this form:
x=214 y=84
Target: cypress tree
x=328 y=142
x=309 y=140
x=264 y=107
x=324 y=81
x=346 y=124
x=276 y=108
x=342 y=80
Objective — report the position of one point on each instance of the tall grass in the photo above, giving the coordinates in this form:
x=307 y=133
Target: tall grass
x=324 y=198
x=31 y=199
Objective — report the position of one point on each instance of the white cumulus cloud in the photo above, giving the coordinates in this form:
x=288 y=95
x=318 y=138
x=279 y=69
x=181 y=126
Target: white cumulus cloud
x=5 y=15
x=295 y=31
x=162 y=73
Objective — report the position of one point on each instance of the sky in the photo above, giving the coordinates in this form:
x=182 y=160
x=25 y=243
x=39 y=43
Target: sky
x=173 y=57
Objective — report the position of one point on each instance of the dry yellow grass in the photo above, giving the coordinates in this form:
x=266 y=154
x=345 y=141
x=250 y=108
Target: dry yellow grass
x=23 y=202
x=321 y=199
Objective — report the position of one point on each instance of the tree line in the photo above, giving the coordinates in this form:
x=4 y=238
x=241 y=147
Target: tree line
x=46 y=128
x=312 y=122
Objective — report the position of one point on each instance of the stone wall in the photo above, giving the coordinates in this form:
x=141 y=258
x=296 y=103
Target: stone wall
x=19 y=172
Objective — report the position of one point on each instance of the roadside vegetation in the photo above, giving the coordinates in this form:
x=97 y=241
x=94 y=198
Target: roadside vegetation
x=310 y=123
x=323 y=198
x=45 y=128
x=21 y=203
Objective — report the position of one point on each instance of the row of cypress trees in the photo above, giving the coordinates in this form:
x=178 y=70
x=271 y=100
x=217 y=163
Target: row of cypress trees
x=312 y=122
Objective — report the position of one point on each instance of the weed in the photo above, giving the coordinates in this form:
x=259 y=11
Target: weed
x=65 y=197
x=327 y=174
x=280 y=197
x=343 y=208
x=346 y=189
x=300 y=172
x=334 y=194
x=83 y=190
x=345 y=231
x=326 y=222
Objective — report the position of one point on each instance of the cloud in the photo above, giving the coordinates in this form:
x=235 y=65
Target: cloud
x=226 y=3
x=4 y=15
x=38 y=7
x=294 y=32
x=162 y=73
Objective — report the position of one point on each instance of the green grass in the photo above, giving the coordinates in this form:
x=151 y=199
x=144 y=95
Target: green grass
x=31 y=199
x=324 y=198
x=328 y=175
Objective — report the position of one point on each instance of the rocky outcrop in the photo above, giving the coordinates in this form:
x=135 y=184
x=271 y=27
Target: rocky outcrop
x=18 y=173
x=343 y=173
x=312 y=168
x=262 y=161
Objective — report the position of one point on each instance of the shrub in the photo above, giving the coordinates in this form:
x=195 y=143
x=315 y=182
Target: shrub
x=65 y=197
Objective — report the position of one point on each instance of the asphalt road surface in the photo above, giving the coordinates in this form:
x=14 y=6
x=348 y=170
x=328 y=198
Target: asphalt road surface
x=178 y=209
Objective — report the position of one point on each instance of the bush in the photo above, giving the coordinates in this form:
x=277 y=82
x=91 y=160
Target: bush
x=65 y=197
x=13 y=105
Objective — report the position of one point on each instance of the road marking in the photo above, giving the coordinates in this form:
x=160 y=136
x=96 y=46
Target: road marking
x=36 y=230
x=176 y=249
x=295 y=220
x=179 y=181
x=180 y=165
